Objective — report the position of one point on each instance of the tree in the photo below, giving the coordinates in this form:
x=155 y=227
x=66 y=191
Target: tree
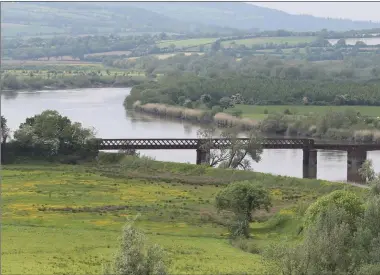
x=52 y=133
x=242 y=198
x=236 y=154
x=4 y=130
x=136 y=256
x=226 y=102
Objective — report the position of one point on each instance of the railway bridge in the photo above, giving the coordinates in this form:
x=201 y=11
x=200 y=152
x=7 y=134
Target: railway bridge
x=356 y=152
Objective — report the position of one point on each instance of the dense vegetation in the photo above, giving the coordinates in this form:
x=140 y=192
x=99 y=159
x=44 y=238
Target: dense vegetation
x=58 y=79
x=341 y=238
x=225 y=90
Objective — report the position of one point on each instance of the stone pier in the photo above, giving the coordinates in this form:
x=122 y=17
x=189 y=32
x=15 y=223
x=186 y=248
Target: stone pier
x=355 y=159
x=310 y=163
x=203 y=156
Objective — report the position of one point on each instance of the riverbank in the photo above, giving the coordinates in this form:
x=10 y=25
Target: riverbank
x=347 y=125
x=222 y=120
x=176 y=207
x=12 y=84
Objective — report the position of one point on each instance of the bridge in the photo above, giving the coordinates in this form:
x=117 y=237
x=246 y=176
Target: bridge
x=356 y=152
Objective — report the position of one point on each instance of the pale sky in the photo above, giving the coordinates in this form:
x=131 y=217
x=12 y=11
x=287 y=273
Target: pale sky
x=350 y=10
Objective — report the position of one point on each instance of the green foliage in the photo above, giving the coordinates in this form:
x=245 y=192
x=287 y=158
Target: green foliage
x=168 y=90
x=4 y=129
x=346 y=200
x=242 y=198
x=136 y=257
x=366 y=171
x=51 y=133
x=14 y=82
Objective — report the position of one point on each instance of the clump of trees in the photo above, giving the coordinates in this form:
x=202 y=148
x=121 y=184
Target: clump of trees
x=341 y=238
x=49 y=134
x=195 y=91
x=337 y=125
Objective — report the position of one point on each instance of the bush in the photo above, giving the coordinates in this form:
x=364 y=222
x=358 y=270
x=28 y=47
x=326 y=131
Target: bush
x=110 y=158
x=136 y=257
x=349 y=201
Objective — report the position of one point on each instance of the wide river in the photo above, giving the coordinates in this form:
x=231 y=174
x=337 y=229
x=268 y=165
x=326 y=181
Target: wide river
x=103 y=110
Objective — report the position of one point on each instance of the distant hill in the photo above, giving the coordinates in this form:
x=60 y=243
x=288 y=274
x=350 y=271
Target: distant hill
x=23 y=18
x=247 y=16
x=39 y=18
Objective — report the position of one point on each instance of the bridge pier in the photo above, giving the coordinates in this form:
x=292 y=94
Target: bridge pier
x=355 y=159
x=203 y=156
x=310 y=163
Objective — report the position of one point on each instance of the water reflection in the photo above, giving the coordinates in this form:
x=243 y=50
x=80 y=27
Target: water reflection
x=103 y=109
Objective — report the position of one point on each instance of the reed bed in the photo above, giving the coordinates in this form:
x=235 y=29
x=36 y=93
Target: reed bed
x=222 y=120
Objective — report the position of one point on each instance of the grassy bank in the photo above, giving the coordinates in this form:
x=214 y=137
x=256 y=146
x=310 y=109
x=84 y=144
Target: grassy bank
x=66 y=219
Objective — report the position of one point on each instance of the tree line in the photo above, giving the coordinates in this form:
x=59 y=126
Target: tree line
x=194 y=91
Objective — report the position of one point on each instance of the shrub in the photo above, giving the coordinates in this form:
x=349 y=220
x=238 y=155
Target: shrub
x=349 y=201
x=136 y=257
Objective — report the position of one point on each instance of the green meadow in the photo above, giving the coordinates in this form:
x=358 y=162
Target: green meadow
x=186 y=42
x=62 y=219
x=291 y=40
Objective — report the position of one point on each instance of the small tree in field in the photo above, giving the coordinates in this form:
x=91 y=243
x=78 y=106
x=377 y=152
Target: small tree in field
x=242 y=198
x=135 y=256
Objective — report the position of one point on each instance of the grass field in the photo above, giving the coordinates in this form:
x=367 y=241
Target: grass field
x=291 y=40
x=186 y=42
x=46 y=62
x=258 y=112
x=65 y=220
x=11 y=30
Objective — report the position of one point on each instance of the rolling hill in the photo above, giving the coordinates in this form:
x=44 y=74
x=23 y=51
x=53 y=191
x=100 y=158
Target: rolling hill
x=75 y=18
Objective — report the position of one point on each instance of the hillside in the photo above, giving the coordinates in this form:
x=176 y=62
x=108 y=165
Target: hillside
x=248 y=16
x=51 y=18
x=87 y=18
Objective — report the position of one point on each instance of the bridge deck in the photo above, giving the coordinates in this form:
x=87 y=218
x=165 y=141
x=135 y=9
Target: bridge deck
x=268 y=143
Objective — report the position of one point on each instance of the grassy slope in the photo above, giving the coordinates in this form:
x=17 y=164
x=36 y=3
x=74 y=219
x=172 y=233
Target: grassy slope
x=176 y=206
x=257 y=112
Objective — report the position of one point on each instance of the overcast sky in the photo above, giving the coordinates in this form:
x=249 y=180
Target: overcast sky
x=351 y=10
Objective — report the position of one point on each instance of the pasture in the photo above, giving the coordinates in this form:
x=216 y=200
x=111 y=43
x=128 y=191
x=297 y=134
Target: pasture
x=186 y=42
x=291 y=40
x=59 y=219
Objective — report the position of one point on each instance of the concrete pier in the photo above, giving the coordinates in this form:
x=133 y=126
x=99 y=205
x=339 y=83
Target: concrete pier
x=310 y=163
x=355 y=159
x=203 y=156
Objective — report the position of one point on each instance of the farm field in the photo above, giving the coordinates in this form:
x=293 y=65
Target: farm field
x=67 y=219
x=258 y=112
x=12 y=29
x=45 y=62
x=186 y=42
x=291 y=40
x=111 y=53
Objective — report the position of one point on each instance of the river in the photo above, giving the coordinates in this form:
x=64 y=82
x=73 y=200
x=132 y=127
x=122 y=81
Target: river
x=102 y=109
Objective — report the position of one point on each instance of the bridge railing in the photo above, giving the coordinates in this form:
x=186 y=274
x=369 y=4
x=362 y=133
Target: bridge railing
x=185 y=143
